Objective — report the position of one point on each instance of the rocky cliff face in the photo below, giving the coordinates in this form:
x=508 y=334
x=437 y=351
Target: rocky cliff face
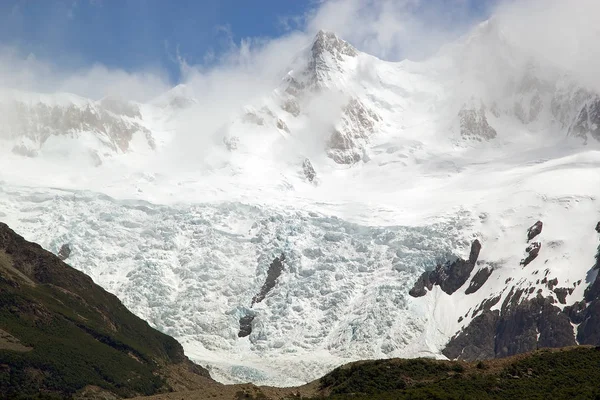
x=273 y=273
x=324 y=71
x=450 y=276
x=524 y=320
x=347 y=142
x=474 y=124
x=587 y=123
x=518 y=327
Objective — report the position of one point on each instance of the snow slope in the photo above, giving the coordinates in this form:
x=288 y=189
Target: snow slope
x=413 y=162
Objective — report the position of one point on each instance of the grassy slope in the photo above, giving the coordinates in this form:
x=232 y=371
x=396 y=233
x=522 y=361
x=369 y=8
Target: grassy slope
x=80 y=335
x=572 y=373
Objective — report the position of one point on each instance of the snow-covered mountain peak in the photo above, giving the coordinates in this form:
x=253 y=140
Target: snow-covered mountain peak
x=322 y=65
x=328 y=43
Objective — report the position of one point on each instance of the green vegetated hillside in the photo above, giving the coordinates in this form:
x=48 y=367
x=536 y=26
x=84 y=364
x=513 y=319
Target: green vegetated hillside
x=61 y=333
x=572 y=373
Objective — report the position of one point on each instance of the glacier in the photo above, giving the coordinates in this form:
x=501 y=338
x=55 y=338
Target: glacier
x=192 y=270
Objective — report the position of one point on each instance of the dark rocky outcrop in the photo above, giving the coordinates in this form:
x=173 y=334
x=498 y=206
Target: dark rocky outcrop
x=450 y=276
x=309 y=171
x=479 y=280
x=64 y=252
x=245 y=325
x=273 y=273
x=478 y=343
x=534 y=230
x=421 y=286
x=598 y=227
x=524 y=324
x=587 y=311
x=520 y=326
x=532 y=252
x=562 y=293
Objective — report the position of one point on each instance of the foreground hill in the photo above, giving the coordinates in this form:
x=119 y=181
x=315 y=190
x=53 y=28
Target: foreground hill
x=568 y=373
x=61 y=334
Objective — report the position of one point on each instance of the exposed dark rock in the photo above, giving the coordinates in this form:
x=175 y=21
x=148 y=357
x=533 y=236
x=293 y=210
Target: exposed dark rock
x=586 y=312
x=64 y=252
x=478 y=344
x=576 y=312
x=588 y=331
x=561 y=294
x=534 y=230
x=450 y=276
x=512 y=330
x=518 y=329
x=309 y=170
x=245 y=325
x=532 y=252
x=524 y=324
x=273 y=273
x=479 y=279
x=597 y=264
x=552 y=283
x=474 y=253
x=418 y=289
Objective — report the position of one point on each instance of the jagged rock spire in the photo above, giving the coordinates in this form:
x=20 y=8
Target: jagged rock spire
x=328 y=42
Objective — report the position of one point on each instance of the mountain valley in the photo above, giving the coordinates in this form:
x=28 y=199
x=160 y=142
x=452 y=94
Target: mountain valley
x=358 y=209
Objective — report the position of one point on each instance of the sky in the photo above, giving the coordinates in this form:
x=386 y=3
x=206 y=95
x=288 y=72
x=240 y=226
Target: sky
x=161 y=36
x=227 y=51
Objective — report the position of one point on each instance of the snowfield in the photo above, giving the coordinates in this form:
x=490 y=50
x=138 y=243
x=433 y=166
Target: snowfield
x=437 y=160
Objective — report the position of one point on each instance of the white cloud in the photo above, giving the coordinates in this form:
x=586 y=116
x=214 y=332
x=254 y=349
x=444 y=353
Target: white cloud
x=563 y=32
x=28 y=73
x=386 y=28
